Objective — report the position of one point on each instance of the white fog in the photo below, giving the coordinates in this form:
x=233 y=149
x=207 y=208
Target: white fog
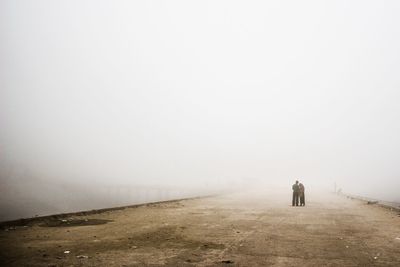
x=109 y=103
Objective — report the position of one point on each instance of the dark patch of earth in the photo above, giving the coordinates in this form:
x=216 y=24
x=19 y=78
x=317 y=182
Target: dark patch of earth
x=73 y=222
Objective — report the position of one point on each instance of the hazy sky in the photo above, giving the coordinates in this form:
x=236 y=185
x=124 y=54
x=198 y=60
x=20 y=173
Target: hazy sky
x=185 y=92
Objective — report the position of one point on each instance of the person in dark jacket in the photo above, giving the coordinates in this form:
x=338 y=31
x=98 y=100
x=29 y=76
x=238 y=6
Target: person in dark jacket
x=301 y=195
x=296 y=191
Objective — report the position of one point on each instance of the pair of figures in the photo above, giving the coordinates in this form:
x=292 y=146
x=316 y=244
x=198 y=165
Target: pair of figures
x=298 y=194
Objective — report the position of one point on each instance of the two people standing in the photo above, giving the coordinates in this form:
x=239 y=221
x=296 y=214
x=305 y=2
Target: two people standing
x=298 y=194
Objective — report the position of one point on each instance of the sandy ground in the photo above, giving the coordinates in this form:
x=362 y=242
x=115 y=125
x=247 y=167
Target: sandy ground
x=253 y=229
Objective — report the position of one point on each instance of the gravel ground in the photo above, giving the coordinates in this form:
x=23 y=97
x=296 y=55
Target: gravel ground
x=246 y=229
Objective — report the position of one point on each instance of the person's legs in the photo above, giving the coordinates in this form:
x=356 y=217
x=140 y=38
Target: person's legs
x=293 y=198
x=297 y=199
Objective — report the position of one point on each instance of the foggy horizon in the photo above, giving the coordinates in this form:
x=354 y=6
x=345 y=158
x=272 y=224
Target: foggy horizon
x=198 y=96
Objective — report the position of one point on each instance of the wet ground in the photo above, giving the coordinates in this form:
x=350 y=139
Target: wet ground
x=252 y=229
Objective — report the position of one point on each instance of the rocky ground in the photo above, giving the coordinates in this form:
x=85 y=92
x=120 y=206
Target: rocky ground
x=247 y=229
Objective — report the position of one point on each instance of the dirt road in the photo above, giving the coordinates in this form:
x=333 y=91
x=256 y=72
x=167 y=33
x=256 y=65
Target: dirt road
x=231 y=230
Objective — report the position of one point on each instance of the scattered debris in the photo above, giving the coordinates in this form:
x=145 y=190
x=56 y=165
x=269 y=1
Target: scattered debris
x=72 y=222
x=67 y=252
x=82 y=257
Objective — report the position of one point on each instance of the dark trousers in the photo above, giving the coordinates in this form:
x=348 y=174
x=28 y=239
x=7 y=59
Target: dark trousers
x=295 y=199
x=302 y=199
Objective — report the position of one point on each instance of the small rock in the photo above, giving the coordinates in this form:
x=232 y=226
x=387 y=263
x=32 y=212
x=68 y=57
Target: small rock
x=67 y=252
x=134 y=247
x=375 y=258
x=82 y=257
x=227 y=261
